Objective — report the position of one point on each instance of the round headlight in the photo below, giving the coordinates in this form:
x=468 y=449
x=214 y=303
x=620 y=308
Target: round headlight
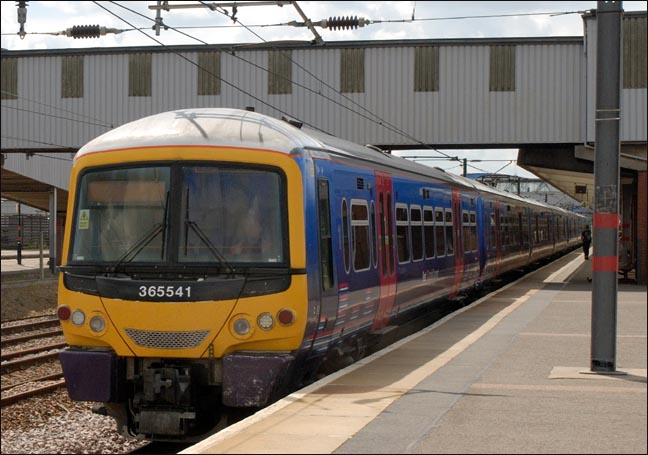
x=265 y=321
x=78 y=317
x=97 y=324
x=242 y=326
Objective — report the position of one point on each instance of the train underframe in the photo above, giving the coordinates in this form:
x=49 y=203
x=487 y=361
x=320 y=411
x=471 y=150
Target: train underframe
x=174 y=399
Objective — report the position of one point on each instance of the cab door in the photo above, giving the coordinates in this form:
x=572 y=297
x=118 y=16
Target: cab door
x=329 y=296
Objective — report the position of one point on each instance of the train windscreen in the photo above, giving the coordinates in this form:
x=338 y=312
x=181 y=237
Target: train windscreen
x=190 y=214
x=119 y=211
x=231 y=213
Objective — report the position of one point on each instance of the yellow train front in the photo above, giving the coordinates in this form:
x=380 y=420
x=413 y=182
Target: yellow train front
x=184 y=286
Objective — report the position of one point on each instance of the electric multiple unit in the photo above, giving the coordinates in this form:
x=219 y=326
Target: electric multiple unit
x=216 y=258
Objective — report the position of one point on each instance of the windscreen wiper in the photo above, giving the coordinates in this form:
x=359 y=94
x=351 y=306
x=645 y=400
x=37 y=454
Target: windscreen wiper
x=139 y=245
x=147 y=238
x=165 y=217
x=203 y=238
x=201 y=235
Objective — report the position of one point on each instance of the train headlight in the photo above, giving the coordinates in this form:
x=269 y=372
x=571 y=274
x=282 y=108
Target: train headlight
x=242 y=326
x=265 y=321
x=78 y=317
x=97 y=324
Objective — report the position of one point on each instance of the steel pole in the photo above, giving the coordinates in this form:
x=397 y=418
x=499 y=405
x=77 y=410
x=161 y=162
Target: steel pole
x=605 y=263
x=19 y=243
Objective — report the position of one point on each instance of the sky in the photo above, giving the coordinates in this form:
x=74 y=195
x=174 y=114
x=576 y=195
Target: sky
x=255 y=24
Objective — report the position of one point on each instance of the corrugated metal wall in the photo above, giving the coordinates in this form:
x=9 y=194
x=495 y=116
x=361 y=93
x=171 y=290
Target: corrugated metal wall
x=634 y=117
x=389 y=97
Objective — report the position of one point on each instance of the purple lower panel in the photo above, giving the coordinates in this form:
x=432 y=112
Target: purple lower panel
x=250 y=379
x=90 y=376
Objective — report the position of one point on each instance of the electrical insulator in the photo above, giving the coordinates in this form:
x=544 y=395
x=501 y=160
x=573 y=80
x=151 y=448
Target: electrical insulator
x=22 y=18
x=345 y=23
x=85 y=31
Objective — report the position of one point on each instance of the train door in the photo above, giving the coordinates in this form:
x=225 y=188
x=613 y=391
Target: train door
x=482 y=227
x=386 y=266
x=329 y=298
x=458 y=242
x=498 y=238
x=531 y=230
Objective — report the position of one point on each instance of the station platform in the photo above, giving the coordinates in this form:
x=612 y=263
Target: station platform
x=506 y=374
x=29 y=268
x=30 y=260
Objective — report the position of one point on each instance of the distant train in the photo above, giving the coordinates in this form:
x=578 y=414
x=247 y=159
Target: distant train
x=213 y=258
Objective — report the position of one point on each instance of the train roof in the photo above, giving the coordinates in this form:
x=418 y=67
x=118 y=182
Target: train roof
x=246 y=129
x=343 y=147
x=204 y=126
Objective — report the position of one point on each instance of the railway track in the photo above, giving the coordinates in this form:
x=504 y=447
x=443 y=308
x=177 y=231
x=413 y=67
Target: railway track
x=27 y=324
x=29 y=359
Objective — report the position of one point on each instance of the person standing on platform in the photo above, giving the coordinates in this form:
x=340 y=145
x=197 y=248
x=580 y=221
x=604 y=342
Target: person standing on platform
x=586 y=238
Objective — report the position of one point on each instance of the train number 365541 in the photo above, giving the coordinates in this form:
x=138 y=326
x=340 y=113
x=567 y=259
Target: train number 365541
x=164 y=291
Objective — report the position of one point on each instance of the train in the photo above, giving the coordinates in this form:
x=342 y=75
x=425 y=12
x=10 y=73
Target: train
x=215 y=258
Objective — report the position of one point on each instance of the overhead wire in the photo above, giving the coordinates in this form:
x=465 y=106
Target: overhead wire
x=226 y=82
x=51 y=115
x=378 y=21
x=36 y=142
x=507 y=164
x=485 y=16
x=109 y=124
x=232 y=52
x=380 y=122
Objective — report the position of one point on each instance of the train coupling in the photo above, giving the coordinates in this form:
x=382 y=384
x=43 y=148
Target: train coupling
x=100 y=410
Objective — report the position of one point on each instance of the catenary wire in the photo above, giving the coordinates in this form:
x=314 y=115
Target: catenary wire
x=109 y=124
x=380 y=122
x=203 y=69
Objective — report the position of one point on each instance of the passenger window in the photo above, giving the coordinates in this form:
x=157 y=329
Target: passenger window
x=345 y=235
x=360 y=233
x=466 y=231
x=402 y=233
x=473 y=231
x=449 y=234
